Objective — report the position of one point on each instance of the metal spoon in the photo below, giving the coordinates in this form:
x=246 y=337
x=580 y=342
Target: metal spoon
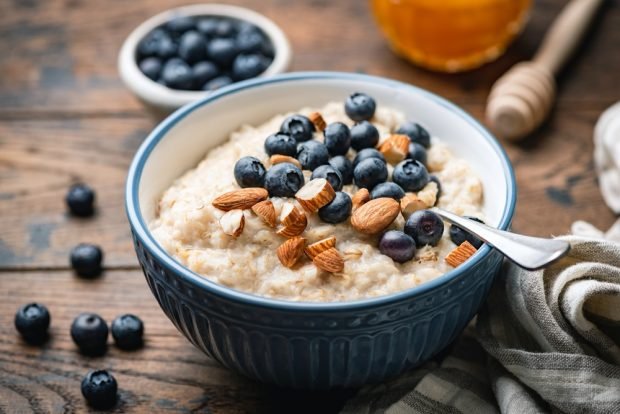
x=531 y=253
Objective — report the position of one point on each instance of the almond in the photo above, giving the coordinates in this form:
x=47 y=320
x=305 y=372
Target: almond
x=319 y=247
x=460 y=254
x=361 y=197
x=290 y=251
x=240 y=199
x=395 y=148
x=375 y=216
x=330 y=261
x=232 y=222
x=315 y=194
x=279 y=158
x=411 y=203
x=318 y=121
x=294 y=221
x=266 y=211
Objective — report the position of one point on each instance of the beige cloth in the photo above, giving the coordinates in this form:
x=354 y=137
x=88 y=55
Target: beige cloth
x=546 y=341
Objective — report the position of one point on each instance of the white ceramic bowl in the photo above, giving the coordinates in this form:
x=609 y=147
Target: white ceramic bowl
x=301 y=344
x=166 y=100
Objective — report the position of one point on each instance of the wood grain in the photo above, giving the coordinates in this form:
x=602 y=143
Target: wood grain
x=66 y=117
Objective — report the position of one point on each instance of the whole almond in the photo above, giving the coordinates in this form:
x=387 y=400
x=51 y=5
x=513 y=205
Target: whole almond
x=395 y=148
x=330 y=261
x=294 y=221
x=361 y=197
x=290 y=251
x=240 y=199
x=232 y=222
x=460 y=254
x=266 y=211
x=315 y=194
x=318 y=121
x=375 y=216
x=279 y=158
x=314 y=249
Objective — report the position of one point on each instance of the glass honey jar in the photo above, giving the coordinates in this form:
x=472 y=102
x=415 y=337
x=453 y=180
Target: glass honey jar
x=450 y=35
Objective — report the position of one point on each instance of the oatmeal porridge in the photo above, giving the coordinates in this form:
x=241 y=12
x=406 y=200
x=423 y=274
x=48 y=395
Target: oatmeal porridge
x=313 y=233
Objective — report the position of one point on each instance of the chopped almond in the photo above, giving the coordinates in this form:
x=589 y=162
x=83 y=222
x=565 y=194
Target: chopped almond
x=460 y=254
x=395 y=148
x=294 y=221
x=279 y=159
x=315 y=194
x=316 y=248
x=266 y=211
x=318 y=121
x=290 y=251
x=232 y=222
x=330 y=261
x=360 y=197
x=240 y=199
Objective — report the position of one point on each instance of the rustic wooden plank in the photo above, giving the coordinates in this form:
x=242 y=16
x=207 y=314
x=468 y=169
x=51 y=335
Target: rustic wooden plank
x=168 y=374
x=60 y=56
x=40 y=159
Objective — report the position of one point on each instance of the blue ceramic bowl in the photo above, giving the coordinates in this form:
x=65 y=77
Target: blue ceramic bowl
x=313 y=345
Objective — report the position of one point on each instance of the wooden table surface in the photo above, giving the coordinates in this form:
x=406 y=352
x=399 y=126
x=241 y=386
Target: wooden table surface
x=66 y=117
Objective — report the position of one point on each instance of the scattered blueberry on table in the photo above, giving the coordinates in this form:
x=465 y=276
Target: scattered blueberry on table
x=86 y=260
x=90 y=333
x=81 y=200
x=203 y=53
x=100 y=389
x=127 y=331
x=32 y=322
x=458 y=235
x=397 y=245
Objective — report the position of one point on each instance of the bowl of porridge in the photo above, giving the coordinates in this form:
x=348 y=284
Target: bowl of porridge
x=286 y=225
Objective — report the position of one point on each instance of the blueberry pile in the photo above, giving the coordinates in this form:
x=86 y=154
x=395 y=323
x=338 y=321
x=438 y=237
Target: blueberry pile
x=204 y=53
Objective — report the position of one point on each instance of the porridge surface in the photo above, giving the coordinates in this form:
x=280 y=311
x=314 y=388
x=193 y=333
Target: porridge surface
x=187 y=225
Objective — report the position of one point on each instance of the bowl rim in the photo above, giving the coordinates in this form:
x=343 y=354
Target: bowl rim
x=162 y=96
x=141 y=231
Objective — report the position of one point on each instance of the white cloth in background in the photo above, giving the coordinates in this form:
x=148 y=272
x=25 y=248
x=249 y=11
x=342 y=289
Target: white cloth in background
x=607 y=156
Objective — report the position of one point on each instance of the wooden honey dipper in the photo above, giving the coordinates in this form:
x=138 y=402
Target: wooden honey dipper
x=521 y=99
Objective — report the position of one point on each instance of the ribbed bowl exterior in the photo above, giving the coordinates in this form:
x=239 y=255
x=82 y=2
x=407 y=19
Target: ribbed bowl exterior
x=320 y=350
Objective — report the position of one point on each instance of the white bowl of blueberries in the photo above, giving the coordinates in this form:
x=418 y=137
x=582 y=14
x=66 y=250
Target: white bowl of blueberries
x=179 y=55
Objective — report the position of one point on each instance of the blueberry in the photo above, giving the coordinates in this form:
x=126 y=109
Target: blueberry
x=90 y=333
x=364 y=135
x=416 y=132
x=331 y=174
x=459 y=235
x=202 y=72
x=388 y=189
x=127 y=331
x=417 y=152
x=299 y=127
x=397 y=245
x=250 y=41
x=86 y=260
x=280 y=143
x=207 y=26
x=222 y=52
x=246 y=66
x=177 y=74
x=434 y=179
x=100 y=389
x=167 y=48
x=283 y=180
x=360 y=107
x=192 y=47
x=225 y=28
x=181 y=24
x=311 y=154
x=32 y=321
x=367 y=153
x=217 y=83
x=411 y=175
x=370 y=172
x=343 y=165
x=81 y=200
x=151 y=67
x=425 y=227
x=150 y=44
x=249 y=172
x=338 y=210
x=337 y=138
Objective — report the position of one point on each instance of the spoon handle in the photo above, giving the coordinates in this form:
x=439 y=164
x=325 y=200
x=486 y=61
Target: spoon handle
x=531 y=253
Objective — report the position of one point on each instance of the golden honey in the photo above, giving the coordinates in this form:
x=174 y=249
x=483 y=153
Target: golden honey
x=450 y=35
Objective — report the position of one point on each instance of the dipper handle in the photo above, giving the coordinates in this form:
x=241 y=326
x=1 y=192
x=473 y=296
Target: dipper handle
x=521 y=99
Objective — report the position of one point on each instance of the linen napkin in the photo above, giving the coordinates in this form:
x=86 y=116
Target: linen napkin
x=545 y=341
